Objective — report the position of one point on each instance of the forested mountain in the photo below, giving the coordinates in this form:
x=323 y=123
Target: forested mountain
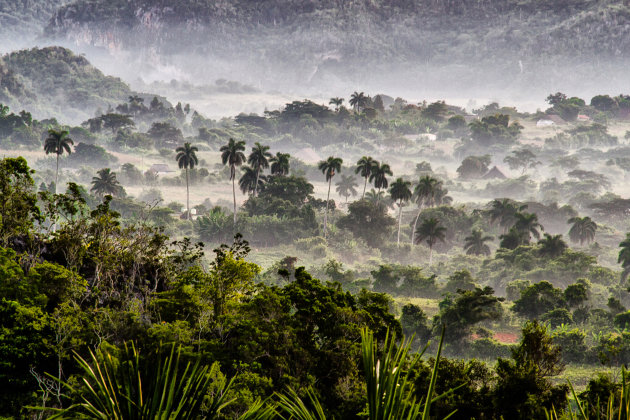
x=509 y=41
x=54 y=81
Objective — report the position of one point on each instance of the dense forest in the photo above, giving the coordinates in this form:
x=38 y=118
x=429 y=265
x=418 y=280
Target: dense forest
x=298 y=209
x=364 y=257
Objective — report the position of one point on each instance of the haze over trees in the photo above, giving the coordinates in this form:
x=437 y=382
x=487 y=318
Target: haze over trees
x=492 y=240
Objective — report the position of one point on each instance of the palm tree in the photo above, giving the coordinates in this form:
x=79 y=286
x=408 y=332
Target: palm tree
x=233 y=156
x=512 y=239
x=250 y=180
x=379 y=175
x=379 y=199
x=552 y=246
x=583 y=230
x=280 y=164
x=365 y=166
x=624 y=256
x=430 y=231
x=504 y=211
x=329 y=168
x=336 y=102
x=400 y=191
x=527 y=225
x=358 y=100
x=187 y=158
x=347 y=186
x=475 y=244
x=106 y=183
x=423 y=194
x=259 y=159
x=57 y=142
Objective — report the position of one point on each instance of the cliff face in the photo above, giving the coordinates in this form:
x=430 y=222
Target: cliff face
x=426 y=29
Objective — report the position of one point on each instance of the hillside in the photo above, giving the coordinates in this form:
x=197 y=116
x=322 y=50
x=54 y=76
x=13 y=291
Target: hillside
x=55 y=82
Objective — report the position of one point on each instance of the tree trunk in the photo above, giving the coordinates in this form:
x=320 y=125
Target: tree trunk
x=57 y=174
x=430 y=255
x=187 y=197
x=415 y=223
x=326 y=214
x=364 y=187
x=399 y=220
x=256 y=186
x=234 y=197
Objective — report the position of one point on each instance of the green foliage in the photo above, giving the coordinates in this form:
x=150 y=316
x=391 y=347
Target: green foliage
x=18 y=209
x=495 y=129
x=368 y=221
x=466 y=309
x=128 y=387
x=403 y=280
x=523 y=390
x=539 y=299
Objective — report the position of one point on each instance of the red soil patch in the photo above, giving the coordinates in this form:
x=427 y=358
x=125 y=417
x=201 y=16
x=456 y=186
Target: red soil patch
x=507 y=338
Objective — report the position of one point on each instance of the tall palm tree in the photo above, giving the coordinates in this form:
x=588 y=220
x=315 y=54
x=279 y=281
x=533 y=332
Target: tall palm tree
x=583 y=230
x=504 y=212
x=527 y=225
x=400 y=191
x=423 y=194
x=106 y=183
x=250 y=180
x=431 y=231
x=379 y=175
x=358 y=100
x=187 y=159
x=329 y=167
x=475 y=244
x=552 y=246
x=365 y=166
x=233 y=156
x=347 y=186
x=280 y=164
x=336 y=102
x=57 y=142
x=259 y=160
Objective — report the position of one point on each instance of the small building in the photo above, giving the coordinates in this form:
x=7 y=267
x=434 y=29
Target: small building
x=494 y=173
x=557 y=120
x=581 y=117
x=543 y=122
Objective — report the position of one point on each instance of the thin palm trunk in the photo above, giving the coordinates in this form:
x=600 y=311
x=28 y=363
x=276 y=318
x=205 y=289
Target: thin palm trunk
x=326 y=214
x=430 y=254
x=57 y=174
x=399 y=220
x=187 y=197
x=415 y=223
x=364 y=187
x=256 y=186
x=234 y=195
